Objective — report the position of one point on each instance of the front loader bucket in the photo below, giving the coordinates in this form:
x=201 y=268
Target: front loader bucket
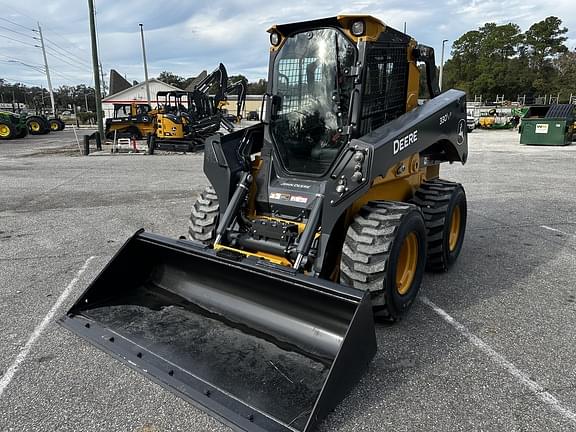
x=261 y=348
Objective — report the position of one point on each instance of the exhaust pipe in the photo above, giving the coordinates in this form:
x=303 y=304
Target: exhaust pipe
x=260 y=346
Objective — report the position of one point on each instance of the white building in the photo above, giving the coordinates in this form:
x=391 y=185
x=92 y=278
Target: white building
x=136 y=93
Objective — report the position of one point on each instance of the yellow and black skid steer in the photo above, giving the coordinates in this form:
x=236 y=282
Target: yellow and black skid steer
x=131 y=119
x=318 y=219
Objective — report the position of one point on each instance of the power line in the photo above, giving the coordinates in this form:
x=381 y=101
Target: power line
x=66 y=51
x=63 y=75
x=63 y=39
x=36 y=68
x=57 y=55
x=15 y=23
x=16 y=40
x=18 y=60
x=69 y=57
x=18 y=11
x=17 y=32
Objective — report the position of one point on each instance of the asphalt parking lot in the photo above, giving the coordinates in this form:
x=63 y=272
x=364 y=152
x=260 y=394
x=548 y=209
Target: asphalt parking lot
x=491 y=346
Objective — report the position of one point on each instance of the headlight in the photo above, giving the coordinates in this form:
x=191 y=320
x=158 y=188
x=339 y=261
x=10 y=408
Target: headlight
x=357 y=28
x=275 y=38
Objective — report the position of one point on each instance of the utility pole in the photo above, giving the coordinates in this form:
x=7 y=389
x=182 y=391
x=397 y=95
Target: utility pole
x=47 y=71
x=442 y=65
x=86 y=100
x=97 y=92
x=145 y=64
x=103 y=80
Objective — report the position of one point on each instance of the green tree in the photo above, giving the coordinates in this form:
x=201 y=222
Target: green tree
x=235 y=78
x=257 y=88
x=481 y=59
x=565 y=64
x=544 y=40
x=500 y=59
x=172 y=79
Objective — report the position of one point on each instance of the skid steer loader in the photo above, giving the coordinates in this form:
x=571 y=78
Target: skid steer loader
x=134 y=119
x=319 y=217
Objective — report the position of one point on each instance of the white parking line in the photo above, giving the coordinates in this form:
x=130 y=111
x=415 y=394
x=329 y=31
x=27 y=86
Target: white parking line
x=557 y=230
x=5 y=380
x=534 y=387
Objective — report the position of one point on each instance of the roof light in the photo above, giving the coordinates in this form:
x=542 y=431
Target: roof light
x=357 y=28
x=275 y=38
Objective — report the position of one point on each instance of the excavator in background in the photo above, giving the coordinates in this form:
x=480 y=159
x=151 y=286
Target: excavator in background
x=186 y=119
x=318 y=220
x=239 y=87
x=182 y=120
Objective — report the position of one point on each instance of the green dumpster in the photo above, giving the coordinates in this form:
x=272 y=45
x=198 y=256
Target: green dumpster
x=548 y=125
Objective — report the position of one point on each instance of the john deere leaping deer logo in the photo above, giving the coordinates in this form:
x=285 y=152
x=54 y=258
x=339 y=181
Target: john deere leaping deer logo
x=461 y=132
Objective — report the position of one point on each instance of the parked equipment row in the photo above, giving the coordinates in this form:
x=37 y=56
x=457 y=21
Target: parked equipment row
x=13 y=125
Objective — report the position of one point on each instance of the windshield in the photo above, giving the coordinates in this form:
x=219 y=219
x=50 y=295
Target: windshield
x=309 y=124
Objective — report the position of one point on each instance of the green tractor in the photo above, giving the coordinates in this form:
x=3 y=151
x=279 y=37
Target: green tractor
x=39 y=124
x=12 y=125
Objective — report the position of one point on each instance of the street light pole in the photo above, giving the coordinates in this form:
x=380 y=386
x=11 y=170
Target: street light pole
x=442 y=65
x=145 y=64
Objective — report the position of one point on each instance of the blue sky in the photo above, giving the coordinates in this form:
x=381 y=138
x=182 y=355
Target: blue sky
x=186 y=37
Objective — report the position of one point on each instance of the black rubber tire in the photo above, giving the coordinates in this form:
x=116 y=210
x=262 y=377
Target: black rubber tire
x=41 y=125
x=23 y=132
x=61 y=124
x=204 y=217
x=437 y=200
x=11 y=130
x=46 y=129
x=151 y=144
x=371 y=250
x=54 y=125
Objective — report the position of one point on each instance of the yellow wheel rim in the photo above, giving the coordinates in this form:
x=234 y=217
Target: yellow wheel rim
x=455 y=223
x=35 y=126
x=54 y=126
x=4 y=131
x=407 y=263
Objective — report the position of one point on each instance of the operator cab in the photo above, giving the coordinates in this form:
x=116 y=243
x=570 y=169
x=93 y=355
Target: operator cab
x=312 y=91
x=333 y=80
